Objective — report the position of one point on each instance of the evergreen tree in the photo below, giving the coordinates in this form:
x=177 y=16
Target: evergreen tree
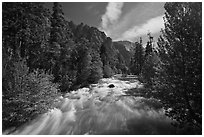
x=179 y=78
x=121 y=66
x=149 y=45
x=60 y=49
x=151 y=60
x=85 y=69
x=57 y=37
x=108 y=57
x=25 y=31
x=149 y=68
x=138 y=58
x=96 y=67
x=83 y=61
x=26 y=91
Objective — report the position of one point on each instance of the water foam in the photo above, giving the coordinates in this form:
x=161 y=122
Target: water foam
x=95 y=110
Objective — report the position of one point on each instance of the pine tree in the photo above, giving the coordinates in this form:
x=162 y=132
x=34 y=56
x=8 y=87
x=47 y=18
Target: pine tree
x=149 y=45
x=57 y=38
x=25 y=31
x=138 y=58
x=108 y=57
x=121 y=66
x=179 y=79
x=96 y=67
x=151 y=60
x=82 y=62
x=27 y=90
x=60 y=49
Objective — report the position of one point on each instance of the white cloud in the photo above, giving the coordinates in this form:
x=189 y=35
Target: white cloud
x=111 y=16
x=153 y=25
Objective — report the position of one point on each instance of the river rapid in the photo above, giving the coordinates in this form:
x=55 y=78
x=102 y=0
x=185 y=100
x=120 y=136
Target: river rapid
x=100 y=110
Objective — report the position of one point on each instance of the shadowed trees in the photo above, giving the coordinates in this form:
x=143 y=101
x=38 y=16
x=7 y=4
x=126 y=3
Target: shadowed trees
x=178 y=77
x=137 y=59
x=27 y=91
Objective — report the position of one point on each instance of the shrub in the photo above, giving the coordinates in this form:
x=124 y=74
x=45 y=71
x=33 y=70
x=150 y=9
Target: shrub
x=67 y=80
x=107 y=71
x=26 y=95
x=96 y=74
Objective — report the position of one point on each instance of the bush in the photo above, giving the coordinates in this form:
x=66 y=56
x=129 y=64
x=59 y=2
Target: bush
x=107 y=71
x=25 y=95
x=67 y=80
x=96 y=74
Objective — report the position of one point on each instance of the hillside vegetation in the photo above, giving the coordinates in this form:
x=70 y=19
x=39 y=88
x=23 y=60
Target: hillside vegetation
x=44 y=56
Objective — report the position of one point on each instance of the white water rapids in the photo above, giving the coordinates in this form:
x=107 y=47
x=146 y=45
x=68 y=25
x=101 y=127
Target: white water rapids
x=101 y=110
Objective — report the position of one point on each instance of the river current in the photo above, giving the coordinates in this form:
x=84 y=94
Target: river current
x=98 y=109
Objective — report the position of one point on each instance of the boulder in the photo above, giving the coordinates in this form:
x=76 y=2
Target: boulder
x=111 y=86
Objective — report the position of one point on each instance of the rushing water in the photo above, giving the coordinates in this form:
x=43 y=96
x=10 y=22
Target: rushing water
x=102 y=110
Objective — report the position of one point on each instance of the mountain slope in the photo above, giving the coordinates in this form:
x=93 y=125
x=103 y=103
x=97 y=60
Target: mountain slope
x=126 y=49
x=127 y=44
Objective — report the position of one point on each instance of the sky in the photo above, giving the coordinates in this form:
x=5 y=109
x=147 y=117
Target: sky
x=119 y=20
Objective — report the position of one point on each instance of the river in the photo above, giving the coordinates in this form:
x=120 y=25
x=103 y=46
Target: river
x=100 y=110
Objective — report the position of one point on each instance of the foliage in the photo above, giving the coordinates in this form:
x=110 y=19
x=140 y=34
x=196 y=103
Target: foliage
x=178 y=81
x=121 y=66
x=107 y=71
x=84 y=62
x=25 y=95
x=138 y=59
x=149 y=68
x=123 y=54
x=87 y=63
x=96 y=68
x=25 y=28
x=60 y=48
x=54 y=51
x=108 y=57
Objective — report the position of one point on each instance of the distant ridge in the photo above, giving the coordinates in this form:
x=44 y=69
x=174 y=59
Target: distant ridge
x=127 y=44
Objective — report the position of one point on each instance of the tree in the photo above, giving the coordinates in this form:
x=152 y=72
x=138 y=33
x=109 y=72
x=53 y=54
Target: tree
x=96 y=67
x=120 y=66
x=57 y=38
x=149 y=46
x=179 y=74
x=82 y=58
x=60 y=48
x=107 y=71
x=138 y=58
x=25 y=31
x=108 y=57
x=26 y=91
x=59 y=26
x=85 y=69
x=150 y=63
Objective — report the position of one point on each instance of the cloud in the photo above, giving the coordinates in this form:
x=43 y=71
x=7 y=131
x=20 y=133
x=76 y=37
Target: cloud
x=132 y=18
x=153 y=25
x=111 y=16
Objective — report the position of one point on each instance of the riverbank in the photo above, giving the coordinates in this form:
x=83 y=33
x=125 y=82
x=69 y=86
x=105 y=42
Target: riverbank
x=98 y=109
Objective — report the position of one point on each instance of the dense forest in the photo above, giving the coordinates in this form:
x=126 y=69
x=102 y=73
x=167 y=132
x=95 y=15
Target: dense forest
x=44 y=55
